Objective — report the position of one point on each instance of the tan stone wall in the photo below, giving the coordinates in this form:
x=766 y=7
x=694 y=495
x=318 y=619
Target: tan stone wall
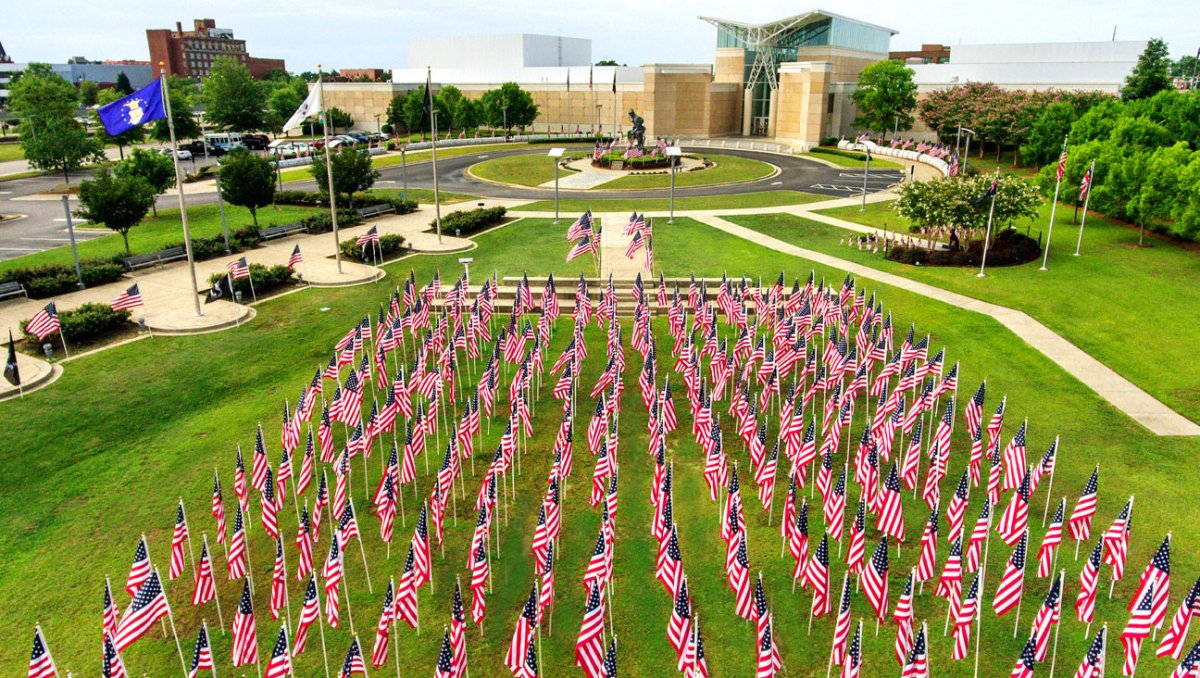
x=730 y=65
x=802 y=101
x=363 y=101
x=725 y=110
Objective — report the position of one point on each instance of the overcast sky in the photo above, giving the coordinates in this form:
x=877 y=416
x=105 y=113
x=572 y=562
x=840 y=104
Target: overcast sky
x=362 y=33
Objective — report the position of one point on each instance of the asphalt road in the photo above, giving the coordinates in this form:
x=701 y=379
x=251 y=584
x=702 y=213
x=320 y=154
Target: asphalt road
x=43 y=222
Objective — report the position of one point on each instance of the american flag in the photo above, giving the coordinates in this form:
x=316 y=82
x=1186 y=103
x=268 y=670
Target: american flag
x=139 y=572
x=386 y=616
x=964 y=619
x=41 y=664
x=1116 y=541
x=1061 y=170
x=236 y=560
x=1092 y=665
x=1176 y=635
x=354 y=661
x=890 y=520
x=1051 y=541
x=1085 y=184
x=148 y=606
x=1049 y=614
x=295 y=258
x=903 y=616
x=245 y=640
x=110 y=610
x=917 y=664
x=1089 y=580
x=875 y=579
x=179 y=538
x=523 y=633
x=841 y=626
x=1158 y=575
x=130 y=298
x=310 y=612
x=371 y=236
x=111 y=665
x=280 y=664
x=445 y=663
x=206 y=586
x=1080 y=524
x=769 y=661
x=1026 y=661
x=589 y=646
x=202 y=659
x=44 y=322
x=239 y=269
x=1012 y=582
x=1016 y=516
x=1137 y=630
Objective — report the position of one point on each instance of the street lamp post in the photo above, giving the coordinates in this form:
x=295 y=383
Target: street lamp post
x=555 y=154
x=673 y=152
x=866 y=171
x=404 y=170
x=466 y=262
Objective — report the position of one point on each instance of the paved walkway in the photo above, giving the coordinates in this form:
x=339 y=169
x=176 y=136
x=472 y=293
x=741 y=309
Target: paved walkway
x=612 y=249
x=1120 y=392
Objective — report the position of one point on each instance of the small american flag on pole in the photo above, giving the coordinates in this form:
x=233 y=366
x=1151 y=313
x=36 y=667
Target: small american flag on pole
x=368 y=237
x=239 y=269
x=295 y=258
x=44 y=322
x=130 y=298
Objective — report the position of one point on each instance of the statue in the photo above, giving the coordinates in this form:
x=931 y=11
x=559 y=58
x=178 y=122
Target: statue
x=638 y=133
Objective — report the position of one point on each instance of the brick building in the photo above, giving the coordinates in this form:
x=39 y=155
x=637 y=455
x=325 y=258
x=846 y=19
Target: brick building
x=191 y=53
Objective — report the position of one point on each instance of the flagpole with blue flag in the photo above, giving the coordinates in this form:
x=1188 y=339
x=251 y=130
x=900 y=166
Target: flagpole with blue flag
x=187 y=238
x=987 y=236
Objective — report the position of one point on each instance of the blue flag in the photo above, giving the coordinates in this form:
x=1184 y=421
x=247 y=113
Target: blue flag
x=134 y=110
x=990 y=191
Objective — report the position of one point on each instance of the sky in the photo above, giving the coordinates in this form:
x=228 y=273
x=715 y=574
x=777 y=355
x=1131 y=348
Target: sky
x=372 y=34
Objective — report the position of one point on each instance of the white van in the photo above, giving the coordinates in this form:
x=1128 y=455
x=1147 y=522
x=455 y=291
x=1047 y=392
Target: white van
x=225 y=141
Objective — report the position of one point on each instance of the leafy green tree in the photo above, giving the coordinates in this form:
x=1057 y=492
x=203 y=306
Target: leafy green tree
x=87 y=92
x=886 y=96
x=955 y=202
x=133 y=135
x=338 y=120
x=508 y=103
x=395 y=112
x=467 y=113
x=179 y=92
x=281 y=103
x=447 y=101
x=232 y=99
x=123 y=86
x=118 y=202
x=413 y=108
x=608 y=62
x=51 y=138
x=157 y=169
x=1045 y=137
x=1159 y=193
x=352 y=172
x=1151 y=75
x=247 y=180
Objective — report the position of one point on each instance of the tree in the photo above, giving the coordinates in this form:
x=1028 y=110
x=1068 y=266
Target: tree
x=87 y=92
x=395 y=112
x=123 y=86
x=886 y=96
x=1185 y=67
x=956 y=202
x=352 y=172
x=447 y=101
x=157 y=169
x=608 y=62
x=413 y=107
x=129 y=137
x=467 y=113
x=1044 y=142
x=232 y=99
x=1160 y=189
x=281 y=103
x=118 y=202
x=508 y=104
x=51 y=138
x=247 y=180
x=1151 y=75
x=179 y=93
x=338 y=119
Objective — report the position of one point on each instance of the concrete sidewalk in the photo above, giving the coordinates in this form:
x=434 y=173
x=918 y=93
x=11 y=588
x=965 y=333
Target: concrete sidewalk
x=1118 y=391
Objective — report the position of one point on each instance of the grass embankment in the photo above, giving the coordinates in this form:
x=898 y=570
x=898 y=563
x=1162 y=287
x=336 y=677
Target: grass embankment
x=103 y=455
x=708 y=202
x=726 y=169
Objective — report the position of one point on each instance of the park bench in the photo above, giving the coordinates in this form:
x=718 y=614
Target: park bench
x=376 y=210
x=12 y=288
x=281 y=231
x=157 y=258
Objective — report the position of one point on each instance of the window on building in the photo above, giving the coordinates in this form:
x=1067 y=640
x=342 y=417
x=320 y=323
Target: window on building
x=829 y=103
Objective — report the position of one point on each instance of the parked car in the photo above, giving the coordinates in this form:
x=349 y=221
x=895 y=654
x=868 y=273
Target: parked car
x=182 y=154
x=255 y=142
x=359 y=136
x=198 y=148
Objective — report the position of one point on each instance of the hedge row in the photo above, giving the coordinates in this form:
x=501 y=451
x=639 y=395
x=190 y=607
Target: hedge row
x=471 y=221
x=388 y=245
x=357 y=201
x=51 y=280
x=853 y=155
x=322 y=223
x=1009 y=248
x=85 y=323
x=240 y=239
x=265 y=279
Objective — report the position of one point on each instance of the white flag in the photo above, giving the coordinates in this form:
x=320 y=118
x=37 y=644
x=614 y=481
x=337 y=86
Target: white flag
x=310 y=107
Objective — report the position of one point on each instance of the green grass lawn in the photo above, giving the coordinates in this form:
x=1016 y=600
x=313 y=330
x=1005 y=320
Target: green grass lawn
x=1110 y=302
x=394 y=159
x=860 y=161
x=707 y=202
x=11 y=151
x=165 y=230
x=530 y=169
x=102 y=456
x=878 y=214
x=726 y=169
x=424 y=195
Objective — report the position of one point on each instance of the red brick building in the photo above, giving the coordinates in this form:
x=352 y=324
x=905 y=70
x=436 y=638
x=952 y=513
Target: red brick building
x=191 y=53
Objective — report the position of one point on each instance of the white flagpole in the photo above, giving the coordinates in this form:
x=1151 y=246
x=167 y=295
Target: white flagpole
x=437 y=203
x=1086 y=199
x=1053 y=208
x=187 y=238
x=987 y=236
x=337 y=247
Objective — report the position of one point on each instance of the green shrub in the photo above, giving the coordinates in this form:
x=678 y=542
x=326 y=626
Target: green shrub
x=244 y=238
x=1009 y=248
x=52 y=280
x=388 y=245
x=86 y=323
x=830 y=141
x=265 y=279
x=209 y=248
x=853 y=155
x=321 y=223
x=357 y=201
x=467 y=222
